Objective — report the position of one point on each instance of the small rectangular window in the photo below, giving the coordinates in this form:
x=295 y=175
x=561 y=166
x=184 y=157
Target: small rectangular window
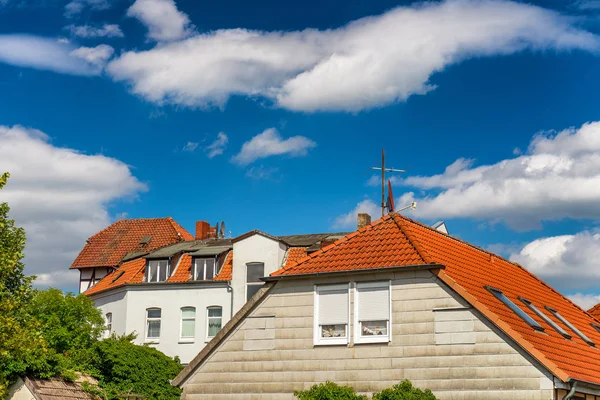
x=157 y=271
x=153 y=324
x=254 y=271
x=543 y=316
x=188 y=323
x=204 y=269
x=372 y=312
x=214 y=321
x=514 y=308
x=570 y=326
x=108 y=324
x=331 y=314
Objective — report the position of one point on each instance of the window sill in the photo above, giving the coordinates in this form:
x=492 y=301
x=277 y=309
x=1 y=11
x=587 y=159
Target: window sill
x=367 y=340
x=151 y=341
x=341 y=342
x=184 y=341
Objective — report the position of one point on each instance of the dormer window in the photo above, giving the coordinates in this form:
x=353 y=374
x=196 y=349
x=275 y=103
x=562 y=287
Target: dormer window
x=157 y=271
x=204 y=269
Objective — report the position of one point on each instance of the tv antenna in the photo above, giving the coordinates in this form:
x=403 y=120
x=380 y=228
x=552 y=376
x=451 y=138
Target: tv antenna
x=383 y=170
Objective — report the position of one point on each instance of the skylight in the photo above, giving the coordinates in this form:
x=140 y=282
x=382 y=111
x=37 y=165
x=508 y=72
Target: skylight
x=545 y=318
x=514 y=308
x=571 y=326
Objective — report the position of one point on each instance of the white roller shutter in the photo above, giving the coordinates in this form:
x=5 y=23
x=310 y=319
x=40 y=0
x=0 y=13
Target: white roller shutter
x=333 y=305
x=373 y=303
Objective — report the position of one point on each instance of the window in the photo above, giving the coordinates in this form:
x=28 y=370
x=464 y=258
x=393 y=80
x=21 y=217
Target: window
x=254 y=271
x=188 y=323
x=332 y=312
x=543 y=316
x=514 y=308
x=204 y=269
x=570 y=326
x=153 y=324
x=372 y=312
x=157 y=271
x=108 y=324
x=214 y=321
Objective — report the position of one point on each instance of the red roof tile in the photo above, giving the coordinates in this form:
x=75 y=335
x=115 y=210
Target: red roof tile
x=108 y=247
x=129 y=272
x=184 y=270
x=225 y=273
x=595 y=311
x=294 y=255
x=399 y=241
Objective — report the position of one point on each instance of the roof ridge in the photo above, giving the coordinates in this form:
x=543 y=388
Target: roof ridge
x=334 y=244
x=421 y=251
x=178 y=228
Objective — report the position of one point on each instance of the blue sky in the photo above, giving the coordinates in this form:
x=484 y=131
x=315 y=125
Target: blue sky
x=267 y=115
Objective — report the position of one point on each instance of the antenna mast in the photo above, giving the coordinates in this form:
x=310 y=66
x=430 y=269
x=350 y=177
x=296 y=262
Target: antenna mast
x=383 y=171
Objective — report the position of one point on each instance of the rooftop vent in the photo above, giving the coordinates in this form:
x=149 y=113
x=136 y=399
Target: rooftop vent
x=145 y=240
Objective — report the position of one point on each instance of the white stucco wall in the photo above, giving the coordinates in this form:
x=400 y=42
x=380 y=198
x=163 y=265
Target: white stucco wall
x=129 y=305
x=256 y=248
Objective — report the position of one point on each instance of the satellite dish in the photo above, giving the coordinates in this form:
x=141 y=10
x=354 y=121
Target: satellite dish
x=222 y=235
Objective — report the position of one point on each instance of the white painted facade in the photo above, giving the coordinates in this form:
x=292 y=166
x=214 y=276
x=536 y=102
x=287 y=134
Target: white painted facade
x=128 y=306
x=256 y=248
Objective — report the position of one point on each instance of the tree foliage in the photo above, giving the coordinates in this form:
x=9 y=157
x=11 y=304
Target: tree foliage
x=404 y=391
x=329 y=391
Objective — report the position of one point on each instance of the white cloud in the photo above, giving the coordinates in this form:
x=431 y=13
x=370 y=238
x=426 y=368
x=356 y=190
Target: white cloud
x=60 y=196
x=190 y=147
x=163 y=19
x=43 y=53
x=368 y=63
x=558 y=177
x=585 y=301
x=217 y=147
x=263 y=173
x=89 y=31
x=349 y=220
x=568 y=262
x=95 y=56
x=75 y=7
x=270 y=143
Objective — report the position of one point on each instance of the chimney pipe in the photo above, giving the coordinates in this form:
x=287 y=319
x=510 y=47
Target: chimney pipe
x=364 y=219
x=202 y=230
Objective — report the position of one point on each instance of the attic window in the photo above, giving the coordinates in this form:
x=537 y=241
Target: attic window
x=157 y=270
x=145 y=240
x=570 y=326
x=514 y=308
x=543 y=316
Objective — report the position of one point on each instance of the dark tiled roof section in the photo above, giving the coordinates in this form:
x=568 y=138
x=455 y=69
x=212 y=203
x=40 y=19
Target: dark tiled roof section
x=306 y=240
x=56 y=389
x=110 y=246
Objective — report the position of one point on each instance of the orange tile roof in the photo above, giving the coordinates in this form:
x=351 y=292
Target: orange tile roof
x=395 y=241
x=128 y=272
x=595 y=311
x=294 y=255
x=226 y=270
x=108 y=247
x=184 y=270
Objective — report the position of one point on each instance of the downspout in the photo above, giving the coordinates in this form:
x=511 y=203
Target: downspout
x=230 y=289
x=571 y=393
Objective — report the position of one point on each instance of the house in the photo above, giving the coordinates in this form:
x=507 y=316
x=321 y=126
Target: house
x=47 y=389
x=124 y=239
x=401 y=300
x=177 y=297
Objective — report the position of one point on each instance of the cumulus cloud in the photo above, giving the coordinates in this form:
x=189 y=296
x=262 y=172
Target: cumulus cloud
x=558 y=177
x=89 y=31
x=368 y=63
x=76 y=7
x=164 y=21
x=190 y=147
x=44 y=53
x=270 y=143
x=94 y=56
x=60 y=196
x=349 y=220
x=585 y=301
x=217 y=147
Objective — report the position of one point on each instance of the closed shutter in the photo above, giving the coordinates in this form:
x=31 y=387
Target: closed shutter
x=373 y=303
x=333 y=305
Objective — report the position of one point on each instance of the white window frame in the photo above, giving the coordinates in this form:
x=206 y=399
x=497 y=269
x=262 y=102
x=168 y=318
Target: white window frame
x=317 y=339
x=187 y=339
x=153 y=339
x=108 y=318
x=209 y=338
x=168 y=266
x=358 y=337
x=195 y=268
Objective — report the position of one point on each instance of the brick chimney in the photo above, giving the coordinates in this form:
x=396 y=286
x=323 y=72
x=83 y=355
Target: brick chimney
x=364 y=219
x=202 y=230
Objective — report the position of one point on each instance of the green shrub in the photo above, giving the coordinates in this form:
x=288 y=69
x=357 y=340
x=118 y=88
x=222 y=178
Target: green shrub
x=404 y=391
x=329 y=391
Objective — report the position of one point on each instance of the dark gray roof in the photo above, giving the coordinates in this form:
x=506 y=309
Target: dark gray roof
x=205 y=247
x=56 y=389
x=310 y=239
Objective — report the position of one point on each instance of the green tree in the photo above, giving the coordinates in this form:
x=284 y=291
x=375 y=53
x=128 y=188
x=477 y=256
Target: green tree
x=68 y=322
x=329 y=391
x=404 y=391
x=22 y=347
